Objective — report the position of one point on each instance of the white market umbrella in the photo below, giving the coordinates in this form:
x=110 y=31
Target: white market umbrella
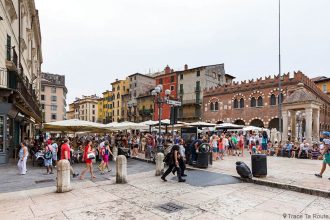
x=201 y=124
x=74 y=125
x=229 y=126
x=126 y=125
x=253 y=128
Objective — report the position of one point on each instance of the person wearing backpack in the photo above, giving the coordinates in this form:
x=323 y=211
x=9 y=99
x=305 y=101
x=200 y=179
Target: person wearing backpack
x=173 y=162
x=49 y=157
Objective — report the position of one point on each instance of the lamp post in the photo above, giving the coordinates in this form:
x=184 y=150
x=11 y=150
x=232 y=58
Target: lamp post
x=160 y=101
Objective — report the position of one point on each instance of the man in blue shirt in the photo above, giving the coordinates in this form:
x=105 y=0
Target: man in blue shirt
x=288 y=148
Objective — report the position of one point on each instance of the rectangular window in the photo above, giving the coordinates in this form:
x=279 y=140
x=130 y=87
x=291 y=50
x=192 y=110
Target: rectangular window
x=324 y=88
x=172 y=88
x=181 y=76
x=43 y=106
x=53 y=107
x=8 y=47
x=93 y=112
x=160 y=81
x=93 y=119
x=42 y=88
x=54 y=98
x=54 y=117
x=93 y=106
x=42 y=97
x=172 y=79
x=181 y=88
x=198 y=73
x=53 y=89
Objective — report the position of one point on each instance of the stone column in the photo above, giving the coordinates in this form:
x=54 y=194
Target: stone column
x=63 y=177
x=293 y=125
x=309 y=118
x=285 y=126
x=121 y=169
x=159 y=164
x=316 y=125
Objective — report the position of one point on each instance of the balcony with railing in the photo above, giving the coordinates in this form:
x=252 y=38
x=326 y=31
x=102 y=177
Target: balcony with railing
x=146 y=112
x=197 y=89
x=20 y=83
x=12 y=59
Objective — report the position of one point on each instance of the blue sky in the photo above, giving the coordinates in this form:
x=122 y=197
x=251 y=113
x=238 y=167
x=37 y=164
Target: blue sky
x=95 y=42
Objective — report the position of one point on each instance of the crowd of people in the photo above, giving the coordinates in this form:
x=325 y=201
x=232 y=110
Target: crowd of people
x=181 y=150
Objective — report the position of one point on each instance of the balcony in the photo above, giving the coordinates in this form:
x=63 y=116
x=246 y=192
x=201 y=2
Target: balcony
x=192 y=102
x=146 y=112
x=197 y=89
x=20 y=84
x=12 y=58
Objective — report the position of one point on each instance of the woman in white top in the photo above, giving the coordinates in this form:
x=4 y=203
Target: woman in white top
x=23 y=154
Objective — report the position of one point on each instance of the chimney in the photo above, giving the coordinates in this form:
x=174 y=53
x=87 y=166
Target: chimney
x=186 y=67
x=167 y=69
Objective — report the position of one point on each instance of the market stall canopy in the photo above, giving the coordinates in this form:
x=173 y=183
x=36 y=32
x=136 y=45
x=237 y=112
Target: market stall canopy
x=253 y=128
x=111 y=125
x=201 y=124
x=74 y=125
x=126 y=125
x=228 y=126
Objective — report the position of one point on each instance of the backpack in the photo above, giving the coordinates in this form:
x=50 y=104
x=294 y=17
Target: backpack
x=49 y=154
x=167 y=158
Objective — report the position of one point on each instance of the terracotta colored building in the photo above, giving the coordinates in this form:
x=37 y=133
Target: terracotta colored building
x=256 y=103
x=169 y=80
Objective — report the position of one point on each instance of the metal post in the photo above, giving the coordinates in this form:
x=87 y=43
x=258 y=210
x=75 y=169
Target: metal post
x=279 y=70
x=159 y=119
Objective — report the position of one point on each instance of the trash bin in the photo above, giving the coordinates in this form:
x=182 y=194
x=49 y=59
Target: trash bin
x=202 y=160
x=203 y=156
x=259 y=165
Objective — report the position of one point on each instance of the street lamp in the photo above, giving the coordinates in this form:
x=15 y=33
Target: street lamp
x=160 y=101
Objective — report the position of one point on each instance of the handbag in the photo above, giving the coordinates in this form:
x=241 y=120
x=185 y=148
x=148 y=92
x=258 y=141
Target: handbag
x=48 y=155
x=91 y=155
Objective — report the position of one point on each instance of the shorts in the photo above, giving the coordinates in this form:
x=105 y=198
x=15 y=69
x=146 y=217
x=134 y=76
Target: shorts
x=264 y=146
x=106 y=158
x=221 y=151
x=48 y=162
x=215 y=150
x=326 y=158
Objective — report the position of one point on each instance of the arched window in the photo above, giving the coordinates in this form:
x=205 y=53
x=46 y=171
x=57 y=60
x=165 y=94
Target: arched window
x=272 y=100
x=216 y=106
x=282 y=97
x=253 y=102
x=241 y=103
x=212 y=106
x=260 y=101
x=235 y=103
x=118 y=95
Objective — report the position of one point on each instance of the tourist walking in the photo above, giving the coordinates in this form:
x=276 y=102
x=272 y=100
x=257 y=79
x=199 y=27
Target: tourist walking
x=106 y=152
x=55 y=151
x=49 y=157
x=88 y=160
x=214 y=144
x=23 y=154
x=326 y=153
x=173 y=162
x=65 y=155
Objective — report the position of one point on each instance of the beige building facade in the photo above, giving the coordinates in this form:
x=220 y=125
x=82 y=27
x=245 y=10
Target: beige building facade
x=53 y=97
x=20 y=69
x=85 y=108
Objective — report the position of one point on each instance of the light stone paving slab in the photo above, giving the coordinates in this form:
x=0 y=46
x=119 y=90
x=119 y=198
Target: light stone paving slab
x=14 y=213
x=117 y=209
x=209 y=216
x=280 y=207
x=258 y=214
x=53 y=216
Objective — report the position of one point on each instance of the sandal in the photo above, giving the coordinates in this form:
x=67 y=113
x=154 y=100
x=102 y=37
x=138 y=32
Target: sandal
x=318 y=175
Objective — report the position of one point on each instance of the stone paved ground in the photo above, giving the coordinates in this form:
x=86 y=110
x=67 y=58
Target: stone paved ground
x=289 y=171
x=10 y=180
x=144 y=192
